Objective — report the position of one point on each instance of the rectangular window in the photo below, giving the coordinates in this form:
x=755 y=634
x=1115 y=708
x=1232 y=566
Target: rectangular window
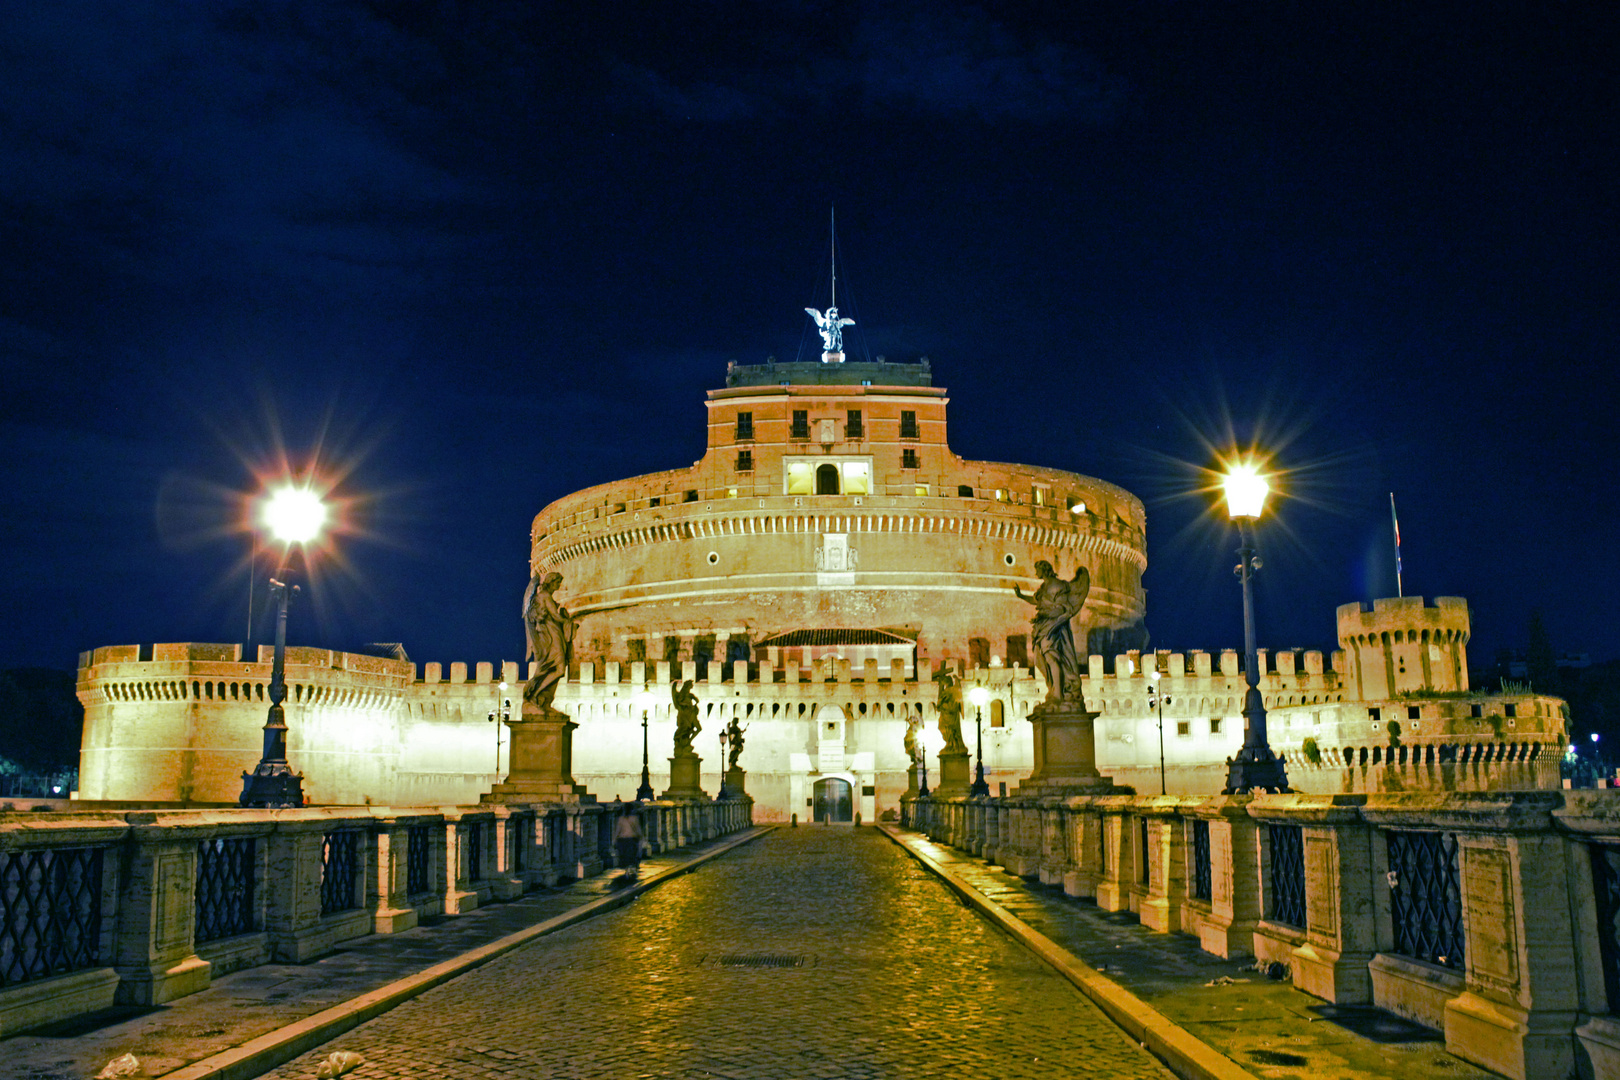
x=745 y=461
x=1476 y=711
x=731 y=493
x=691 y=496
x=920 y=490
x=1183 y=727
x=1375 y=715
x=801 y=424
x=857 y=478
x=908 y=425
x=852 y=426
x=908 y=459
x=1413 y=712
x=801 y=478
x=745 y=426
x=964 y=491
x=1215 y=726
x=1018 y=650
x=1040 y=496
x=636 y=649
x=979 y=652
x=672 y=650
x=654 y=501
x=1510 y=710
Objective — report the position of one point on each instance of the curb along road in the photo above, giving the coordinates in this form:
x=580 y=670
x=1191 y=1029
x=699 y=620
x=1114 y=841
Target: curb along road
x=282 y=1045
x=1167 y=1041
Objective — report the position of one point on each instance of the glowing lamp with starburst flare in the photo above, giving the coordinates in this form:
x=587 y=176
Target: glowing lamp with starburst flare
x=293 y=515
x=1246 y=491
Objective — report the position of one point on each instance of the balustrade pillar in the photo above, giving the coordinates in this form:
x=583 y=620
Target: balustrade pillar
x=393 y=911
x=155 y=948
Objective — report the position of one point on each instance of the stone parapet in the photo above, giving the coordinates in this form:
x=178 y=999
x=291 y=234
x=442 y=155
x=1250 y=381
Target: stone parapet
x=1485 y=915
x=152 y=904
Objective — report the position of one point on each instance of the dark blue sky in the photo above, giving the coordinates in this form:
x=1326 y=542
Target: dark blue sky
x=479 y=261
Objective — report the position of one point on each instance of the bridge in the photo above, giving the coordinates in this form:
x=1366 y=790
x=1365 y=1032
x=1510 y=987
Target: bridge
x=1456 y=935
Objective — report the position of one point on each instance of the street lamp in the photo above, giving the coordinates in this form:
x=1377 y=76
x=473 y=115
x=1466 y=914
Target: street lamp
x=293 y=515
x=1255 y=768
x=644 y=793
x=723 y=793
x=1156 y=700
x=500 y=716
x=979 y=695
x=933 y=742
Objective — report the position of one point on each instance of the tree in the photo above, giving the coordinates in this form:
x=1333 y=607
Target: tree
x=1540 y=660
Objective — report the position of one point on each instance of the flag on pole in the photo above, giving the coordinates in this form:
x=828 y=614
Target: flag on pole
x=1396 y=523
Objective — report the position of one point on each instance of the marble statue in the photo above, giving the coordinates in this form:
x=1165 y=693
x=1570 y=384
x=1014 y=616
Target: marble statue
x=551 y=640
x=949 y=705
x=913 y=729
x=1056 y=602
x=686 y=716
x=734 y=733
x=831 y=327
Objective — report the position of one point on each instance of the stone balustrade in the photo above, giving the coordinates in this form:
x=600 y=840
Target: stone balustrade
x=1493 y=917
x=142 y=907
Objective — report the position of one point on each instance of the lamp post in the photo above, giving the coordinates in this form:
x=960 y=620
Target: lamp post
x=723 y=793
x=644 y=793
x=294 y=515
x=500 y=716
x=932 y=743
x=1255 y=768
x=1156 y=701
x=979 y=695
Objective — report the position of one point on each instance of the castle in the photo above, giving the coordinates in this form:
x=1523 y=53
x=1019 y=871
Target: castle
x=812 y=574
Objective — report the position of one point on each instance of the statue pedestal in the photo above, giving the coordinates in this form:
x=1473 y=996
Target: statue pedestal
x=684 y=772
x=734 y=782
x=954 y=774
x=542 y=750
x=1065 y=752
x=911 y=781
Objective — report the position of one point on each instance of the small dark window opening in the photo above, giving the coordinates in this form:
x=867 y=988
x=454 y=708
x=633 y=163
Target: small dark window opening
x=908 y=459
x=1510 y=710
x=852 y=427
x=827 y=479
x=737 y=648
x=691 y=496
x=654 y=501
x=908 y=425
x=1017 y=650
x=745 y=426
x=964 y=491
x=1476 y=711
x=979 y=652
x=637 y=649
x=672 y=650
x=1375 y=715
x=801 y=424
x=745 y=461
x=703 y=652
x=1414 y=713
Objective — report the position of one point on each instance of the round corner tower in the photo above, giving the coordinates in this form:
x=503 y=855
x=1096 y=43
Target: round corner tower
x=1401 y=646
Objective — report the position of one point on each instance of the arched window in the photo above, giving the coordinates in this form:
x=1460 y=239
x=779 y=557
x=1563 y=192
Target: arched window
x=827 y=479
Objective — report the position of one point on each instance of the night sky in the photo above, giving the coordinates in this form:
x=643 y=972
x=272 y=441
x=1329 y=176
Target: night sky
x=467 y=263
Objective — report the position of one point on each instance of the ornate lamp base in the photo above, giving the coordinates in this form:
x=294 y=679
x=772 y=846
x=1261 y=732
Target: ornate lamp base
x=272 y=786
x=1256 y=769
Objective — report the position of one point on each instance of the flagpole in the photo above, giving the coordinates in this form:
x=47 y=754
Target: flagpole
x=1395 y=522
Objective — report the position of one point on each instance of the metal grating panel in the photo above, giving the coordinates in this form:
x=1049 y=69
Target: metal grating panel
x=1201 y=889
x=474 y=837
x=50 y=912
x=760 y=960
x=340 y=859
x=1425 y=897
x=1287 y=875
x=417 y=856
x=1606 y=884
x=225 y=872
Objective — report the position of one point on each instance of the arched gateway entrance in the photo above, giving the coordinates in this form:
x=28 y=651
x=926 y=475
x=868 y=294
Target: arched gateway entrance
x=834 y=800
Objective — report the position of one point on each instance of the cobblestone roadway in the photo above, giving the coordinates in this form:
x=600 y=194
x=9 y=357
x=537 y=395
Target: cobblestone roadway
x=900 y=981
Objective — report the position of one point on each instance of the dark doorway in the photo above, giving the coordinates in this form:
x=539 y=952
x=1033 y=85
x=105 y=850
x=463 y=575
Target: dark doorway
x=833 y=801
x=827 y=480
